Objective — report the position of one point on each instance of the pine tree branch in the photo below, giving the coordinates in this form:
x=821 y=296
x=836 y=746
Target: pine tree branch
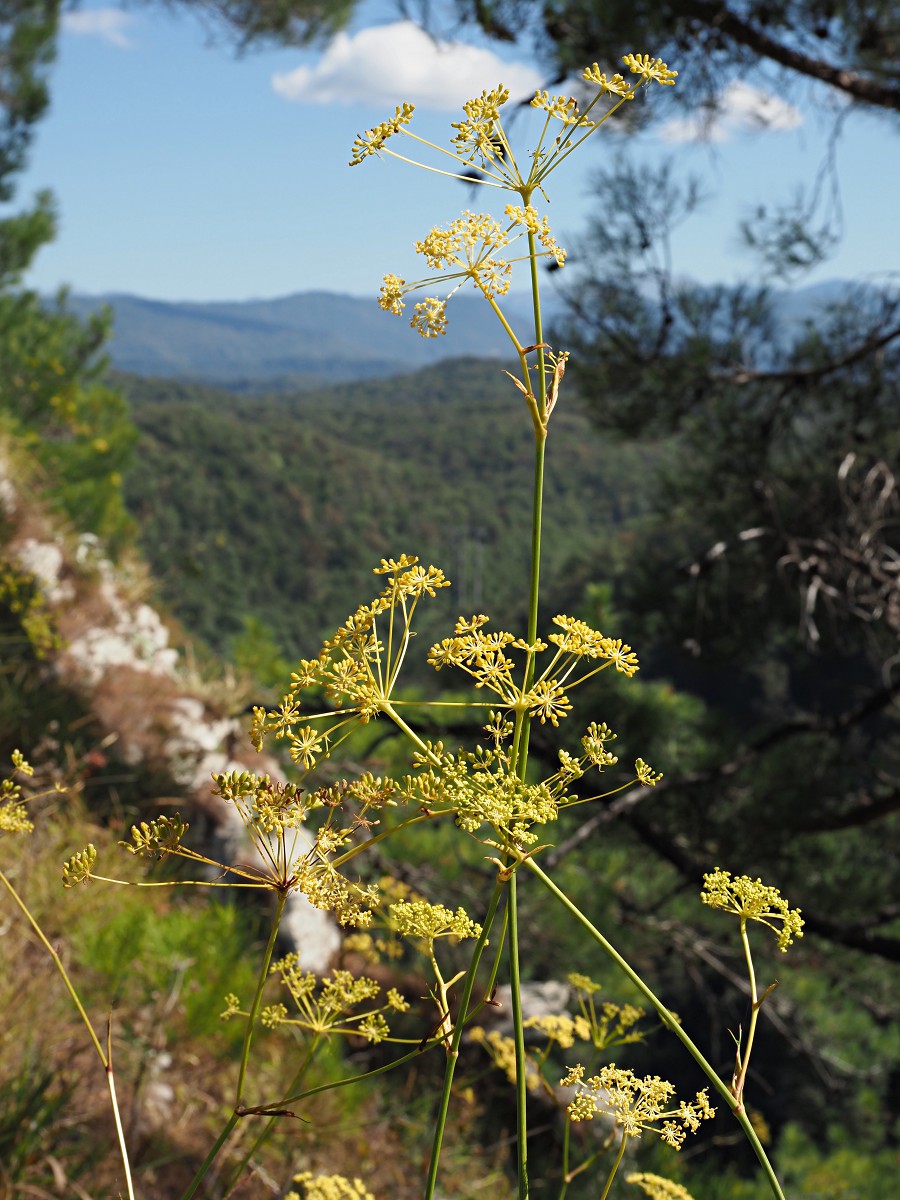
x=861 y=87
x=857 y=935
x=812 y=374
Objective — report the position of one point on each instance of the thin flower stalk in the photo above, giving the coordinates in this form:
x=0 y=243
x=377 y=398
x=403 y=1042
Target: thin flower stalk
x=465 y=1012
x=669 y=1021
x=105 y=1056
x=257 y=999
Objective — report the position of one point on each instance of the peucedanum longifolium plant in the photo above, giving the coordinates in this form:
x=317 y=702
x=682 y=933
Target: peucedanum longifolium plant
x=488 y=791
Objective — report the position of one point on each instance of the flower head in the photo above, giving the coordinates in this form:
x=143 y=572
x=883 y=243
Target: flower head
x=328 y=1187
x=430 y=317
x=389 y=298
x=658 y=1188
x=637 y=1104
x=372 y=140
x=752 y=900
x=650 y=69
x=616 y=86
x=481 y=136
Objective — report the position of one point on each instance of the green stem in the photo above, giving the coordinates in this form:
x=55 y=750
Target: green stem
x=668 y=1020
x=744 y=1057
x=379 y=837
x=333 y=1084
x=523 y=727
x=389 y=711
x=515 y=987
x=245 y=1052
x=210 y=1158
x=270 y=1124
x=495 y=969
x=453 y=1053
x=615 y=1167
x=567 y=1140
x=257 y=999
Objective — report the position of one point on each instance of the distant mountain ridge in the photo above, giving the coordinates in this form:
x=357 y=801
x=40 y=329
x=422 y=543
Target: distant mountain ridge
x=312 y=338
x=306 y=338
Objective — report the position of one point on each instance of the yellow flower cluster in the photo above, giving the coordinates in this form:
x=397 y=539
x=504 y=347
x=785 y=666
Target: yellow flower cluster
x=157 y=838
x=752 y=900
x=483 y=656
x=419 y=919
x=264 y=806
x=608 y=1024
x=594 y=745
x=464 y=243
x=637 y=1104
x=352 y=668
x=502 y=1052
x=372 y=140
x=614 y=86
x=529 y=218
x=326 y=1006
x=78 y=868
x=328 y=1187
x=467 y=249
x=13 y=813
x=580 y=640
x=650 y=69
x=480 y=135
x=390 y=296
x=645 y=774
x=563 y=108
x=561 y=1028
x=430 y=317
x=658 y=1188
x=478 y=788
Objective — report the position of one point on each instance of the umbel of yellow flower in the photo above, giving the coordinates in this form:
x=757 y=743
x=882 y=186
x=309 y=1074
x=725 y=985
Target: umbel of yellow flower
x=469 y=248
x=658 y=1188
x=13 y=813
x=328 y=1187
x=637 y=1104
x=752 y=900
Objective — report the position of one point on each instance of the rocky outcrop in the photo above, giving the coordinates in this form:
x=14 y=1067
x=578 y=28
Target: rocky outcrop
x=115 y=651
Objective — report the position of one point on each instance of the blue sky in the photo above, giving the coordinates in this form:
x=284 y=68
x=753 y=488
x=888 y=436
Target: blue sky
x=184 y=173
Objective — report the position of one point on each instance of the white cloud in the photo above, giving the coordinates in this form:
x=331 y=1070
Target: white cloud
x=387 y=64
x=742 y=109
x=107 y=23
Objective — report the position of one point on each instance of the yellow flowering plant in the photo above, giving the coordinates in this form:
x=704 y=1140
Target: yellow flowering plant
x=311 y=839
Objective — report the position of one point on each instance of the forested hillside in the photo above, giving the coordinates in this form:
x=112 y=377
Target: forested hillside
x=521 y=883
x=278 y=507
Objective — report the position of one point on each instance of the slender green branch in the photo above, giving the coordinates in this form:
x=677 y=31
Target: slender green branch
x=515 y=987
x=333 y=1084
x=566 y=1151
x=378 y=837
x=257 y=998
x=495 y=968
x=615 y=1167
x=270 y=1124
x=453 y=1053
x=211 y=1157
x=389 y=711
x=743 y=1057
x=668 y=1019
